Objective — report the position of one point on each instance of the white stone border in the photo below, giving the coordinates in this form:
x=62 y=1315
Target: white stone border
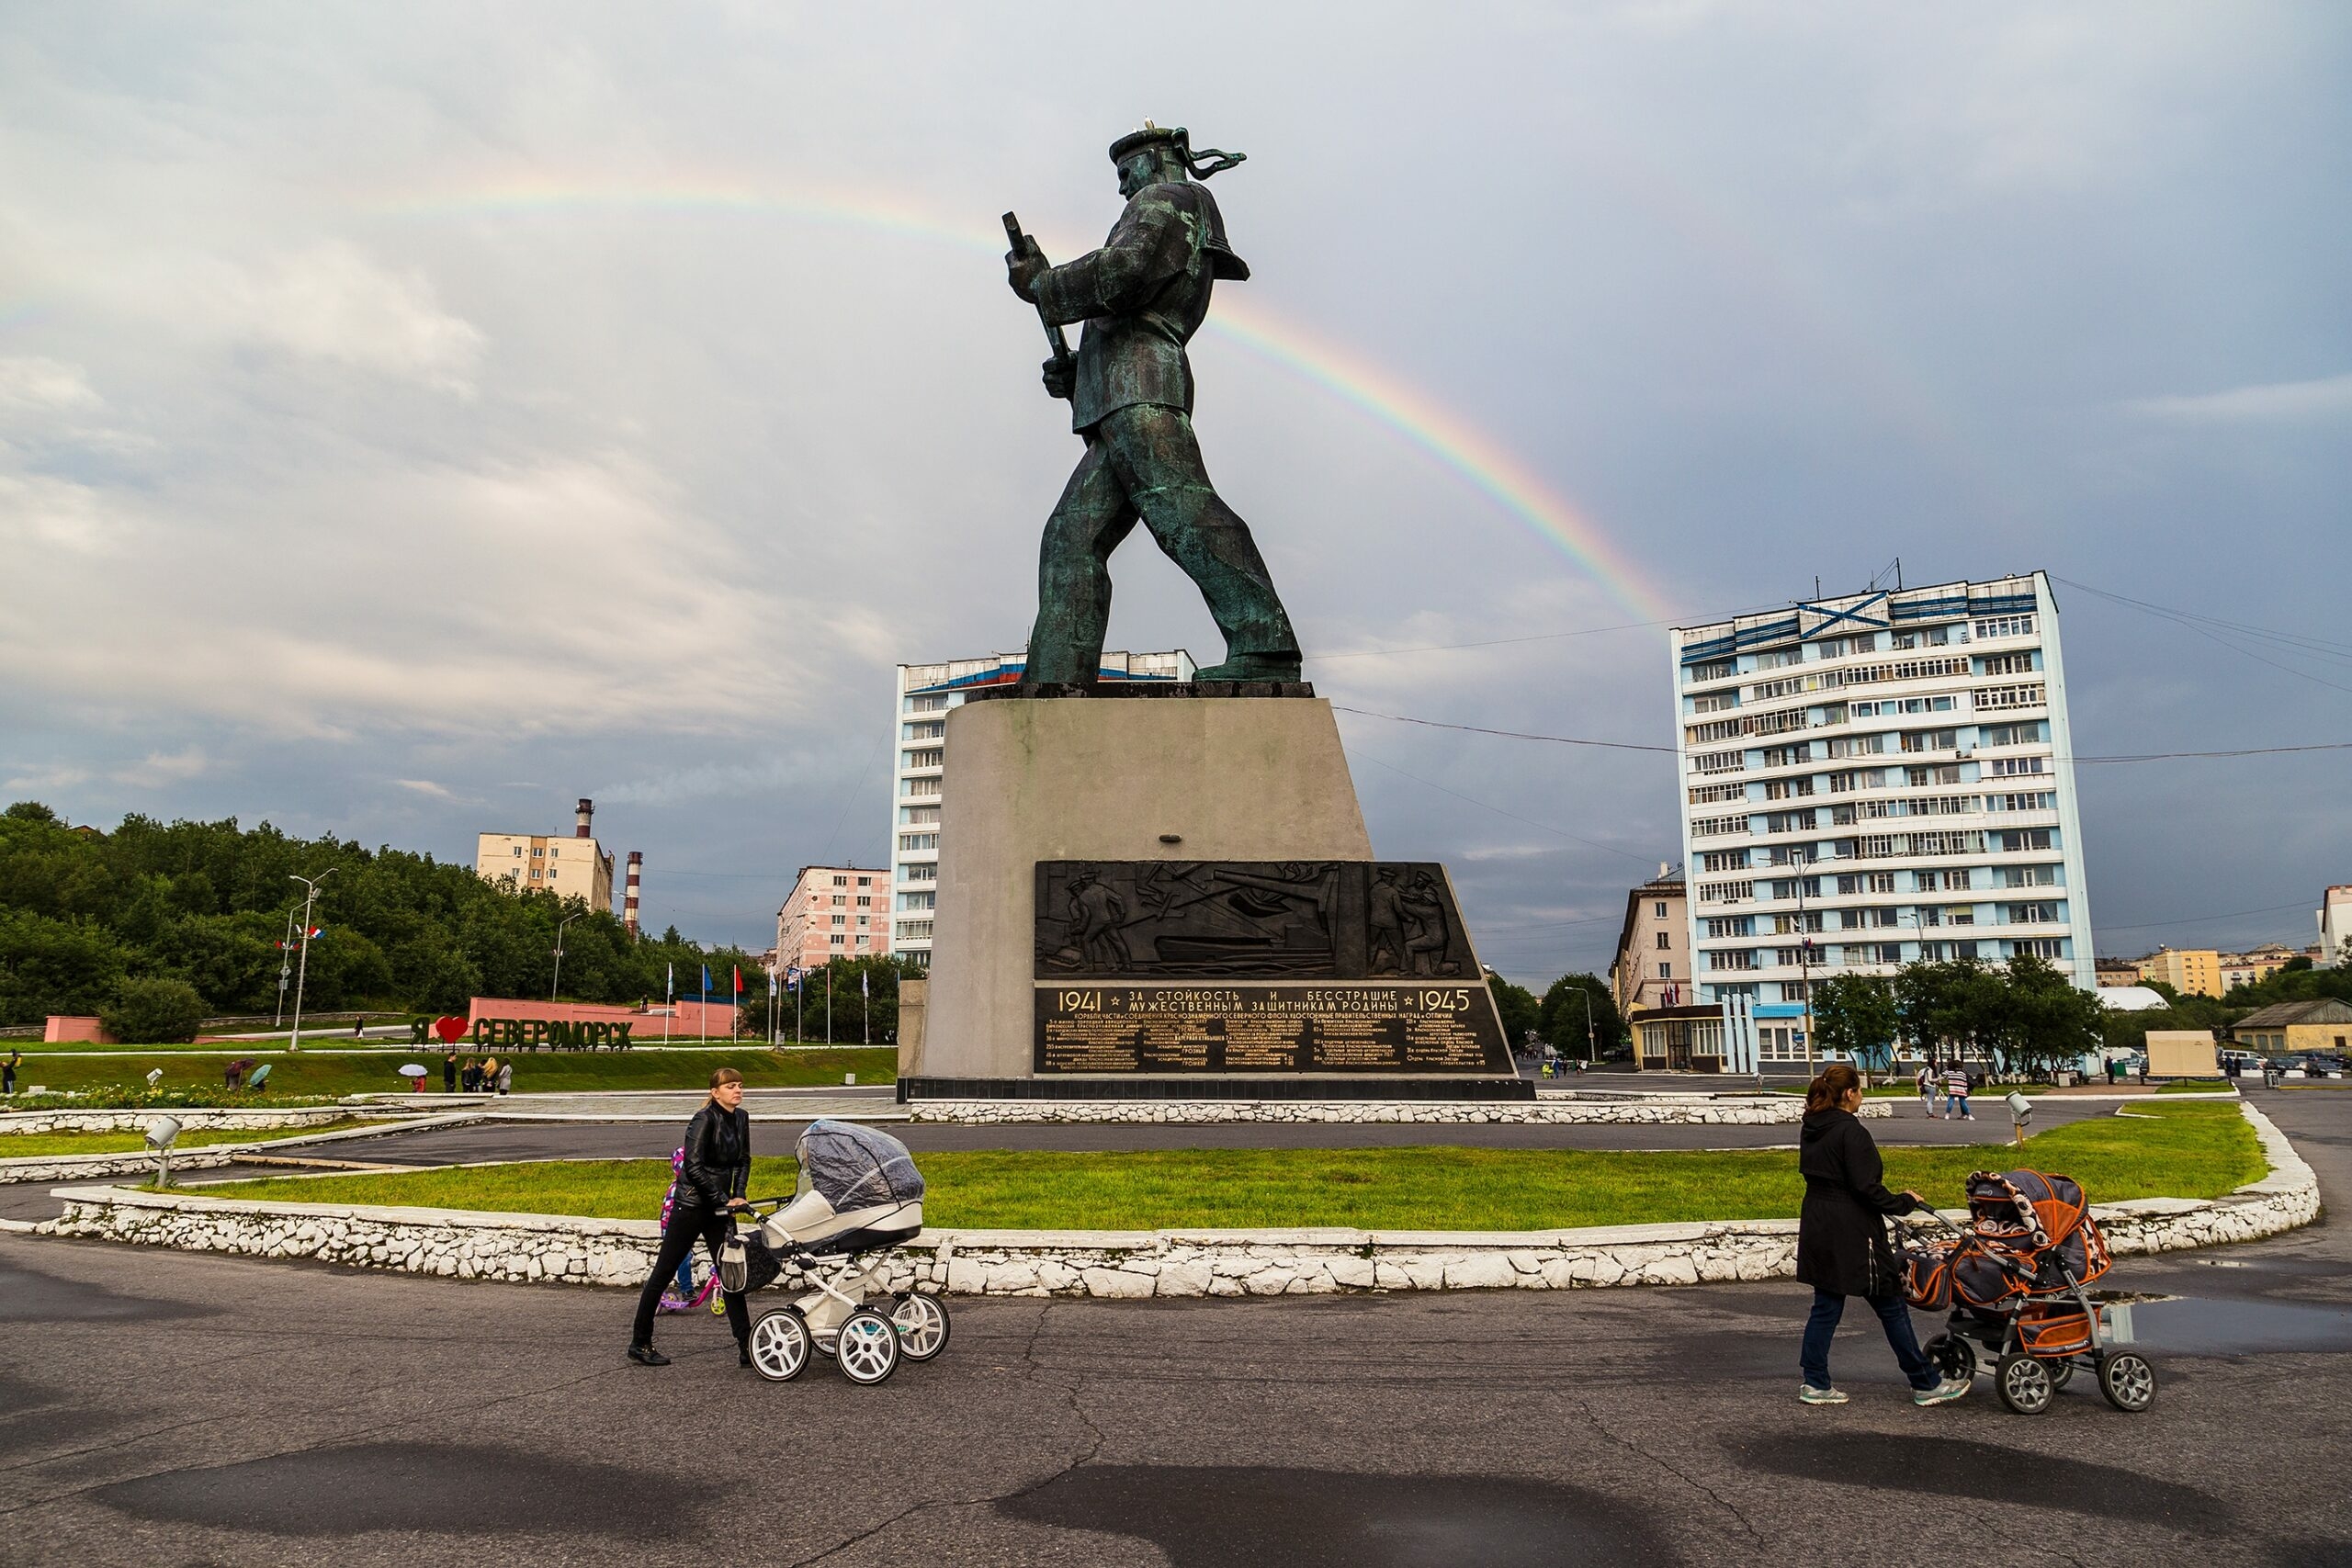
x=1118 y=1264
x=191 y=1118
x=205 y=1157
x=1689 y=1110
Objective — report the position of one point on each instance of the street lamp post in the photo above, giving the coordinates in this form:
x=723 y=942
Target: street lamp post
x=1591 y=1060
x=302 y=973
x=285 y=970
x=556 y=983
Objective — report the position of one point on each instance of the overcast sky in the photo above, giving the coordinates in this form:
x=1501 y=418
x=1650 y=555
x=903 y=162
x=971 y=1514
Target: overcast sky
x=414 y=417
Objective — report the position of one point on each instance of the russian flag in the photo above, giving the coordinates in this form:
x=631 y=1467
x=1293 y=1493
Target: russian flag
x=738 y=982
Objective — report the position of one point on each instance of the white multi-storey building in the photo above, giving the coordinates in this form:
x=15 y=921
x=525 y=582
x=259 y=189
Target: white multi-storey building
x=1872 y=780
x=919 y=730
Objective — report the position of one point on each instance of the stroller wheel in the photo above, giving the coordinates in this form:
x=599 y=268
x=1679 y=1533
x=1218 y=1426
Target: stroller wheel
x=2061 y=1374
x=921 y=1323
x=2126 y=1380
x=867 y=1347
x=2024 y=1384
x=779 y=1344
x=1951 y=1355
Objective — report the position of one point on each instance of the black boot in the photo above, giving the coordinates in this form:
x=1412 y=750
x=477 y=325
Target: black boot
x=646 y=1356
x=743 y=1352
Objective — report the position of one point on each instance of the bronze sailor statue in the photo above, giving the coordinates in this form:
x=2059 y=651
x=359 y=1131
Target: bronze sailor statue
x=1142 y=296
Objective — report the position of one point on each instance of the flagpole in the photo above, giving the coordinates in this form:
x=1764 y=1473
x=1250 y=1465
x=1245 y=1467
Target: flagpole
x=828 y=1001
x=669 y=1000
x=865 y=1013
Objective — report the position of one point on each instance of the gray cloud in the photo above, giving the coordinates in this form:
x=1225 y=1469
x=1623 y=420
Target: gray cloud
x=395 y=405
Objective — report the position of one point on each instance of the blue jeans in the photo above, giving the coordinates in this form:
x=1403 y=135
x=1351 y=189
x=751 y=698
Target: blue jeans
x=1893 y=1315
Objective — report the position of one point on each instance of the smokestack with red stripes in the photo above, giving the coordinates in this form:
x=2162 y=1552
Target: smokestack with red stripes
x=628 y=899
x=586 y=810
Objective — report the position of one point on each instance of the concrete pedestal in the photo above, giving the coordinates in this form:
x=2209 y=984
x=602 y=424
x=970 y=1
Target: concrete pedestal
x=1076 y=778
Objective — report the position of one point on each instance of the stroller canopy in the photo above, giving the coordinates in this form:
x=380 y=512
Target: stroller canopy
x=2048 y=1208
x=854 y=1167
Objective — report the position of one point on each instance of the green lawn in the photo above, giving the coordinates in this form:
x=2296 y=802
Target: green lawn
x=2183 y=1150
x=20 y=1145
x=307 y=1073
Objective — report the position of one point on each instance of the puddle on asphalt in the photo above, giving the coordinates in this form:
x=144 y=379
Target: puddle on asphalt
x=411 y=1486
x=28 y=1296
x=1959 y=1468
x=2202 y=1326
x=33 y=1418
x=1217 y=1517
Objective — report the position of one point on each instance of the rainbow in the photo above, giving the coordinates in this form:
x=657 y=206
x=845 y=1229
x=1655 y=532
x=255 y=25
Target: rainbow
x=1489 y=466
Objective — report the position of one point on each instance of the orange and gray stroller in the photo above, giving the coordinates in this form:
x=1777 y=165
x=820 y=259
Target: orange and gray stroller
x=2016 y=1282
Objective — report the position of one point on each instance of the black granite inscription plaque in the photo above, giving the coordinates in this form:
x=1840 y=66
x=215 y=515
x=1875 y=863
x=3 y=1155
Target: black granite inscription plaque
x=1408 y=1026
x=1235 y=919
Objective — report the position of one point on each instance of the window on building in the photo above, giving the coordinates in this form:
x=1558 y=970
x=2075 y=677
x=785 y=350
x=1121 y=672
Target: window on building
x=841 y=882
x=536 y=851
x=838 y=939
x=1713 y=670
x=866 y=900
x=2005 y=625
x=2028 y=734
x=518 y=852
x=1665 y=970
x=1660 y=909
x=912 y=842
x=1881 y=882
x=918 y=816
x=2011 y=841
x=840 y=900
x=841 y=919
x=927 y=757
x=866 y=881
x=919 y=899
x=928 y=702
x=552 y=874
x=1666 y=940
x=2007 y=664
x=2040 y=947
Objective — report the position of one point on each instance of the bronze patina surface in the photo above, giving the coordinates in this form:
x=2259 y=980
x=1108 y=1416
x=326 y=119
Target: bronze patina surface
x=1142 y=296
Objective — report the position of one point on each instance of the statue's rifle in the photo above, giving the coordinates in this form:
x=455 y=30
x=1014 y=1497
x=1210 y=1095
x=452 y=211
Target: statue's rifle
x=1023 y=243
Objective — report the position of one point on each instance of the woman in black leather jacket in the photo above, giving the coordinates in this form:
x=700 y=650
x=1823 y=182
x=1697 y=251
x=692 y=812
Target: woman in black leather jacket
x=710 y=1188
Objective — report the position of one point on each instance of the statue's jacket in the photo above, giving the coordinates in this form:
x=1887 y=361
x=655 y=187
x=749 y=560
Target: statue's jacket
x=1142 y=296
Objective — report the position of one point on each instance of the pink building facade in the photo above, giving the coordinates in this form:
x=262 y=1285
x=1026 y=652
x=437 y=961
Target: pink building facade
x=834 y=911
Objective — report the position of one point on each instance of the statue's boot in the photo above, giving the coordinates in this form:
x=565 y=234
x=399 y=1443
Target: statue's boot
x=1253 y=667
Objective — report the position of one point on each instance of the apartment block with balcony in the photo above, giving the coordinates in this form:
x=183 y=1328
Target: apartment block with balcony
x=1876 y=779
x=926 y=695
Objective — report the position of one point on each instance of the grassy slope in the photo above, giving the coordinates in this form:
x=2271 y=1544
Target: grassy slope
x=19 y=1146
x=546 y=1071
x=2184 y=1150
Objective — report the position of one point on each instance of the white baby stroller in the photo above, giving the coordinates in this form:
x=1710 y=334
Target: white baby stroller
x=859 y=1194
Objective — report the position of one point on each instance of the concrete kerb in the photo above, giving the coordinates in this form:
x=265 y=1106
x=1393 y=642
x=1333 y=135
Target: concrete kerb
x=208 y=1156
x=1119 y=1264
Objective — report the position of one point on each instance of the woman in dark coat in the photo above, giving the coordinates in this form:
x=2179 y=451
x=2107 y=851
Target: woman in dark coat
x=711 y=1182
x=1842 y=1245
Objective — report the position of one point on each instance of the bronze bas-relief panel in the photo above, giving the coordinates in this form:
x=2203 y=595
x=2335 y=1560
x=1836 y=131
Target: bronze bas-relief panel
x=1175 y=921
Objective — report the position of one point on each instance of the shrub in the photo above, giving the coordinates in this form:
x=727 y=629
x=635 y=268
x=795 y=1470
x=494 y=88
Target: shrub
x=153 y=1012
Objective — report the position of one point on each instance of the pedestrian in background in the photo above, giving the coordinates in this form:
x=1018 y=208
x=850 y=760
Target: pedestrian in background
x=8 y=1072
x=449 y=1073
x=505 y=1077
x=1927 y=1081
x=1842 y=1245
x=1956 y=1086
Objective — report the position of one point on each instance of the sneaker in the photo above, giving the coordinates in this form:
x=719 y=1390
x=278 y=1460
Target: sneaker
x=1808 y=1395
x=1943 y=1393
x=646 y=1356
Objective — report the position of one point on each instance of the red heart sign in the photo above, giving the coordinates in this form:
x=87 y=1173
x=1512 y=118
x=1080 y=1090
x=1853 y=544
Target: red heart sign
x=450 y=1029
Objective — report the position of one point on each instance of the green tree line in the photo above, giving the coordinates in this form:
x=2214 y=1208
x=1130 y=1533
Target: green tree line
x=91 y=922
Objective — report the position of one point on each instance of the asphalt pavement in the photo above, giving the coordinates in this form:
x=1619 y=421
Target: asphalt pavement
x=504 y=1140
x=177 y=1408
